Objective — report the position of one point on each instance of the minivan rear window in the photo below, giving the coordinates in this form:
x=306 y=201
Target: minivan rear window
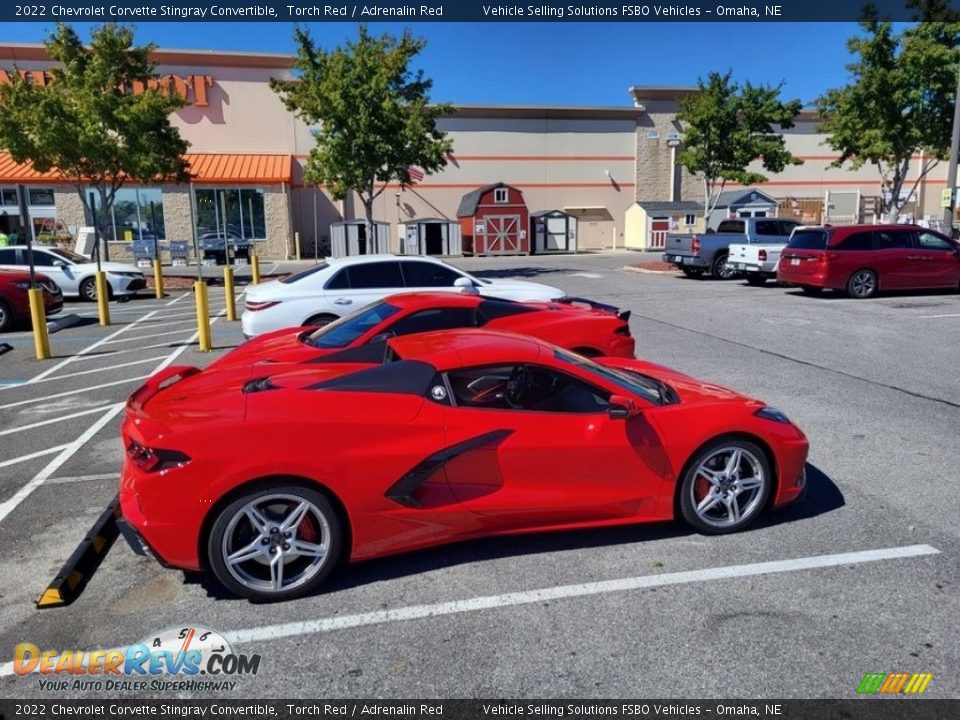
x=808 y=240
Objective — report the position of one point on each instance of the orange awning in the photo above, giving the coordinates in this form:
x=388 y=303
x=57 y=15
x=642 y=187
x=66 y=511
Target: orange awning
x=207 y=168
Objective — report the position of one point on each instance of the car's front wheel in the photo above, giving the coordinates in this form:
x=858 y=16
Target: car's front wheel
x=726 y=486
x=721 y=269
x=6 y=316
x=275 y=543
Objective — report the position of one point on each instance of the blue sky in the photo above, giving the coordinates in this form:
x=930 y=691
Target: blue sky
x=554 y=63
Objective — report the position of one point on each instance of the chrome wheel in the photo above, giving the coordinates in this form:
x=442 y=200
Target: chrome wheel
x=88 y=289
x=862 y=284
x=6 y=316
x=722 y=270
x=275 y=543
x=728 y=486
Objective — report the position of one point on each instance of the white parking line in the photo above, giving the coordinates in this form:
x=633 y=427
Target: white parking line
x=154 y=346
x=528 y=597
x=60 y=418
x=96 y=370
x=83 y=478
x=185 y=321
x=151 y=335
x=933 y=317
x=44 y=398
x=31 y=456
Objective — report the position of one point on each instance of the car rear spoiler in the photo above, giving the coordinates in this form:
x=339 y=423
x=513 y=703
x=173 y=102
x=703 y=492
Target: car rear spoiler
x=594 y=305
x=160 y=381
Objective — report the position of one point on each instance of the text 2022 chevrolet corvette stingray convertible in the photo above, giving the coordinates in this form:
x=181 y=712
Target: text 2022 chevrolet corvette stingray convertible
x=269 y=481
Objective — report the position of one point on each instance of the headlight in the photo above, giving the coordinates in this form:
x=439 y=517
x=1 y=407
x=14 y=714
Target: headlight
x=770 y=413
x=128 y=274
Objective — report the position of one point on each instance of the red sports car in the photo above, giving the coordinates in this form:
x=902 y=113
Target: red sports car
x=14 y=301
x=451 y=435
x=584 y=326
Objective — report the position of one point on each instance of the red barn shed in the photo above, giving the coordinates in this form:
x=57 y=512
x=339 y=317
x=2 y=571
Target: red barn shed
x=494 y=221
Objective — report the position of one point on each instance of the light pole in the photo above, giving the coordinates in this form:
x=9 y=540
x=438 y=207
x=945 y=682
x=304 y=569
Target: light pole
x=952 y=169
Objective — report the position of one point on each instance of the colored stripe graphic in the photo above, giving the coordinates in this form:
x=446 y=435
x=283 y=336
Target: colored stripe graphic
x=894 y=683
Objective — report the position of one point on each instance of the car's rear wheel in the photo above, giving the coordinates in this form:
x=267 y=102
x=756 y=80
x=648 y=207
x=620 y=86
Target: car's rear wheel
x=862 y=284
x=726 y=486
x=721 y=269
x=275 y=543
x=692 y=272
x=6 y=316
x=321 y=320
x=756 y=279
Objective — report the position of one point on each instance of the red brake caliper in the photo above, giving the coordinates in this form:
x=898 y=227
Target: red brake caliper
x=307 y=530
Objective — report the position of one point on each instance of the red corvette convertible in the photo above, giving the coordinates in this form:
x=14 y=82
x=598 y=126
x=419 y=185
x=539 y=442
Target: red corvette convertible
x=428 y=439
x=586 y=327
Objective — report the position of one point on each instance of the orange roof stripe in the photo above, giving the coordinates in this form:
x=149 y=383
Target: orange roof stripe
x=207 y=168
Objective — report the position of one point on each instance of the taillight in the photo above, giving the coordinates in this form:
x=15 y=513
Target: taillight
x=762 y=255
x=695 y=245
x=155 y=459
x=254 y=306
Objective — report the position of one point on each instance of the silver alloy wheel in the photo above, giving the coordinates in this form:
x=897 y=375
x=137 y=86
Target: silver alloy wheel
x=88 y=288
x=723 y=270
x=276 y=542
x=863 y=284
x=6 y=317
x=728 y=487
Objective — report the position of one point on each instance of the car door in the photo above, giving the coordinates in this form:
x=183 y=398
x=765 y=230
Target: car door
x=939 y=260
x=428 y=276
x=10 y=260
x=57 y=269
x=364 y=283
x=895 y=259
x=550 y=457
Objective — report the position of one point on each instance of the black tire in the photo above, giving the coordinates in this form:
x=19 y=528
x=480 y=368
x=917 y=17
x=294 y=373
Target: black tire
x=694 y=483
x=810 y=290
x=321 y=320
x=6 y=316
x=232 y=530
x=756 y=279
x=692 y=272
x=721 y=270
x=863 y=284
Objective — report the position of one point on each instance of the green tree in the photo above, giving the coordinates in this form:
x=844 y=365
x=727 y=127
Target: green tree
x=899 y=102
x=373 y=115
x=88 y=124
x=728 y=127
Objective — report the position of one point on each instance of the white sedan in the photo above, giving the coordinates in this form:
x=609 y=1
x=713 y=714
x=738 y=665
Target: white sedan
x=338 y=286
x=74 y=274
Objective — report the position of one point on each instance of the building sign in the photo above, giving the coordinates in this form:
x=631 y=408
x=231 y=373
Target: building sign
x=191 y=88
x=946 y=197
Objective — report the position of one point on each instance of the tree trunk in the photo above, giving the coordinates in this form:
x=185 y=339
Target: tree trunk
x=368 y=214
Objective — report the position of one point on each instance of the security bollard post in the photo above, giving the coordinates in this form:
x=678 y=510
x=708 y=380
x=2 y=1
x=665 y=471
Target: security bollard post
x=38 y=316
x=203 y=316
x=103 y=298
x=296 y=243
x=229 y=297
x=158 y=278
x=255 y=268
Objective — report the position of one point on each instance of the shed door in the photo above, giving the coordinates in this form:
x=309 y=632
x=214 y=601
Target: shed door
x=659 y=227
x=503 y=234
x=556 y=238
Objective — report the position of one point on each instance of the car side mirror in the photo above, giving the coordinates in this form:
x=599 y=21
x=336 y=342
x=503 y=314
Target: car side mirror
x=465 y=285
x=622 y=407
x=59 y=263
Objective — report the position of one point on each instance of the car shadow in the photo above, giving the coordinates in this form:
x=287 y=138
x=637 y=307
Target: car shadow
x=524 y=272
x=822 y=496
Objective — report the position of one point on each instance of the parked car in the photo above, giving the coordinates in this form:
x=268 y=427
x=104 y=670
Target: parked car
x=14 y=301
x=586 y=327
x=865 y=259
x=74 y=274
x=697 y=254
x=448 y=436
x=329 y=290
x=757 y=263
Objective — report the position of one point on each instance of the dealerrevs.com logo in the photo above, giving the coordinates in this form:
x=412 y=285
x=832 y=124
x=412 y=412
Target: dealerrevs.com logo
x=174 y=660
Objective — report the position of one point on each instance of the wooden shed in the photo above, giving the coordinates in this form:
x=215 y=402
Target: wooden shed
x=553 y=231
x=430 y=236
x=349 y=237
x=494 y=221
x=742 y=203
x=647 y=223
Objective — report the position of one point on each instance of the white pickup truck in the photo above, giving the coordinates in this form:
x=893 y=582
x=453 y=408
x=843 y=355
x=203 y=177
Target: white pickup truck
x=756 y=262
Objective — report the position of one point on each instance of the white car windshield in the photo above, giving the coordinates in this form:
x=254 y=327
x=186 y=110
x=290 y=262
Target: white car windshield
x=69 y=256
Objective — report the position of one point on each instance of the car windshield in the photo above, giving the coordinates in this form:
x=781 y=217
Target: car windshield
x=633 y=382
x=304 y=273
x=71 y=256
x=808 y=240
x=344 y=331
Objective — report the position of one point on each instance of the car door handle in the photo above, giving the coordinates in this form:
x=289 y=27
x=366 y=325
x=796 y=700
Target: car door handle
x=342 y=301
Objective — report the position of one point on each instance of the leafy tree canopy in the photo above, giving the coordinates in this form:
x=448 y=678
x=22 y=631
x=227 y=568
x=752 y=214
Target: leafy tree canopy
x=728 y=127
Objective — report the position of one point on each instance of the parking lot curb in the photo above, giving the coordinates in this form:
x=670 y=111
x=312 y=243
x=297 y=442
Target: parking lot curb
x=630 y=268
x=83 y=563
x=62 y=322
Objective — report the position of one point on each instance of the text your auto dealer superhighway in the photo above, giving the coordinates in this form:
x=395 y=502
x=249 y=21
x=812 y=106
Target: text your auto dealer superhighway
x=145 y=11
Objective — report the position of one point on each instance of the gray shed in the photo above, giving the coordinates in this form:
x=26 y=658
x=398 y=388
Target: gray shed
x=430 y=236
x=745 y=202
x=553 y=231
x=349 y=237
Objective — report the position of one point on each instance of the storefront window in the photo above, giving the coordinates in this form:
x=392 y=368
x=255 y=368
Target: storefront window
x=234 y=213
x=137 y=214
x=41 y=196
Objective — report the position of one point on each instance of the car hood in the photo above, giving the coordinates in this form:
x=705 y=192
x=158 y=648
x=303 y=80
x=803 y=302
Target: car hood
x=109 y=267
x=690 y=389
x=520 y=290
x=280 y=346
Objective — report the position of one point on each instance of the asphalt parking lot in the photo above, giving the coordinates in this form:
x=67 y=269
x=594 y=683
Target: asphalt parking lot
x=861 y=577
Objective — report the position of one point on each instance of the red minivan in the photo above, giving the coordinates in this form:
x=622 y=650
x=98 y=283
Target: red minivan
x=864 y=259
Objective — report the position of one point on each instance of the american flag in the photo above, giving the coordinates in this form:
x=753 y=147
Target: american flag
x=415 y=173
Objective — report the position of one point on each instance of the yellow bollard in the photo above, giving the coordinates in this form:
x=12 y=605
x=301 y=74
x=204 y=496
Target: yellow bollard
x=203 y=316
x=103 y=298
x=158 y=279
x=229 y=297
x=38 y=316
x=255 y=269
x=296 y=243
